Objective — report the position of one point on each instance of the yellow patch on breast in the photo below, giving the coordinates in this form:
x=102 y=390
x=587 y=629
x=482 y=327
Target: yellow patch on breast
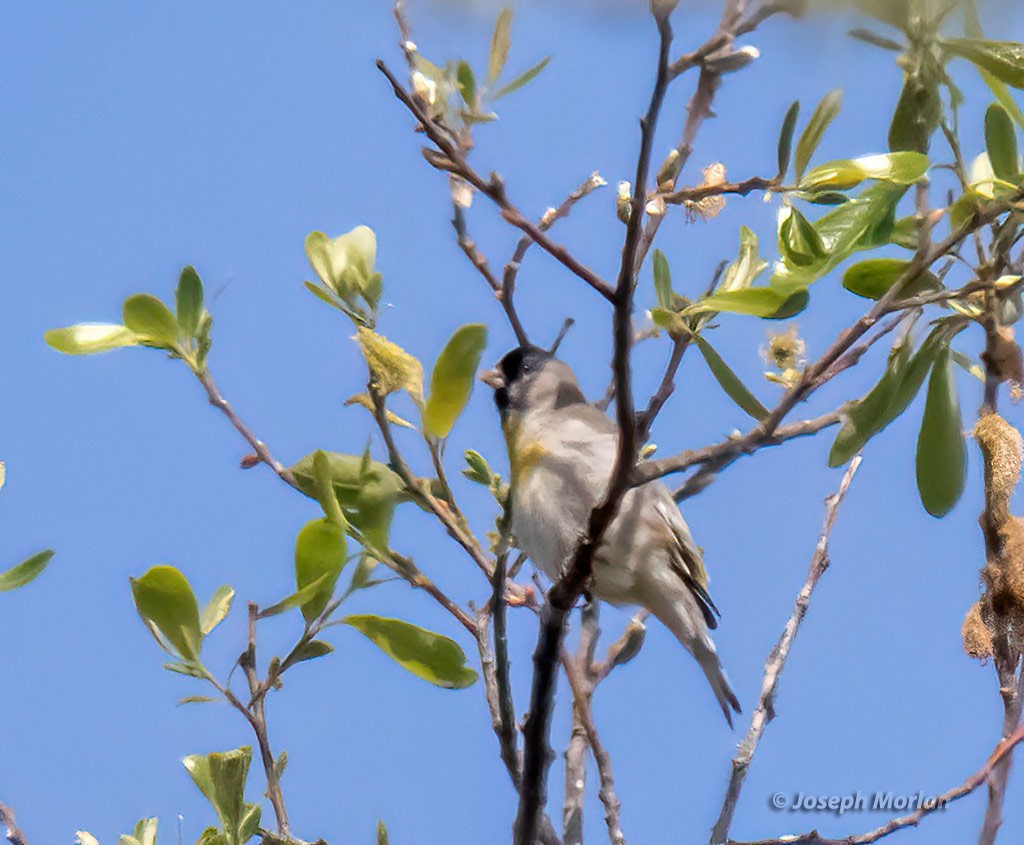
x=527 y=456
x=523 y=456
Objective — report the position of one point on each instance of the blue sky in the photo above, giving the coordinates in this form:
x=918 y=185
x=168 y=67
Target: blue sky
x=141 y=137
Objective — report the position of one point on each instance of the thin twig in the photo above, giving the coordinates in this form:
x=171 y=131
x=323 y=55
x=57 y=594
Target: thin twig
x=911 y=819
x=258 y=446
x=452 y=160
x=511 y=272
x=776 y=661
x=582 y=690
x=713 y=459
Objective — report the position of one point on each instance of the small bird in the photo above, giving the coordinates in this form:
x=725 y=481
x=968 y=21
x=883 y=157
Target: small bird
x=562 y=451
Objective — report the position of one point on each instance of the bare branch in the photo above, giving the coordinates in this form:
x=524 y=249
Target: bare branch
x=998 y=755
x=454 y=161
x=776 y=661
x=258 y=446
x=713 y=459
x=506 y=291
x=563 y=595
x=582 y=690
x=479 y=260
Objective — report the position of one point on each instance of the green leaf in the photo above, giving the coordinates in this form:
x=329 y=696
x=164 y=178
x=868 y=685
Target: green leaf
x=903 y=168
x=24 y=572
x=941 y=451
x=864 y=419
x=906 y=232
x=917 y=115
x=663 y=281
x=164 y=598
x=747 y=266
x=432 y=657
x=197 y=699
x=501 y=43
x=149 y=317
x=145 y=831
x=453 y=378
x=873 y=278
x=325 y=490
x=190 y=670
x=766 y=302
x=478 y=471
x=297 y=599
x=1001 y=141
x=310 y=651
x=382 y=833
x=824 y=114
x=734 y=388
x=522 y=79
x=367 y=491
x=1002 y=59
x=320 y=555
x=799 y=242
x=863 y=223
x=125 y=839
x=216 y=609
x=467 y=84
x=221 y=778
x=189 y=302
x=786 y=138
x=1004 y=97
x=90 y=338
x=345 y=264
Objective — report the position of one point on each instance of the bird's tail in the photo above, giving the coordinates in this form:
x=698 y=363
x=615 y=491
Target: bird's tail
x=682 y=616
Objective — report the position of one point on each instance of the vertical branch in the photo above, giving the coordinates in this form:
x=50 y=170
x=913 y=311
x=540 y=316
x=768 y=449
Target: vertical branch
x=575 y=782
x=765 y=711
x=256 y=713
x=562 y=597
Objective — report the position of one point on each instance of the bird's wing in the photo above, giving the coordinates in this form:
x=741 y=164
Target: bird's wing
x=686 y=557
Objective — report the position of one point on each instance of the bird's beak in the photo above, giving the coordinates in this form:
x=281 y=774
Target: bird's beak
x=493 y=378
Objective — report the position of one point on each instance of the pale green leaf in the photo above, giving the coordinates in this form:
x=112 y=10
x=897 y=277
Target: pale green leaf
x=189 y=301
x=320 y=555
x=148 y=317
x=164 y=598
x=734 y=388
x=452 y=379
x=521 y=80
x=824 y=114
x=90 y=338
x=501 y=43
x=432 y=657
x=24 y=572
x=216 y=609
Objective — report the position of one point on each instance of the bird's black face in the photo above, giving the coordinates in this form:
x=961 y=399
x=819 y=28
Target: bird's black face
x=514 y=373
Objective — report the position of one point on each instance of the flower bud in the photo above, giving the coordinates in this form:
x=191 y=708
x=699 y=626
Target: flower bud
x=667 y=172
x=424 y=88
x=732 y=62
x=624 y=202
